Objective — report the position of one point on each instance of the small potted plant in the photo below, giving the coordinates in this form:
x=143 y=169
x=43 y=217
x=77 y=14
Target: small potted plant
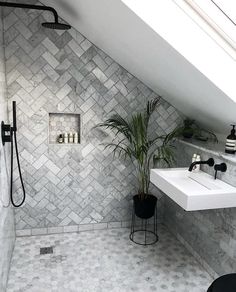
x=191 y=129
x=133 y=141
x=188 y=129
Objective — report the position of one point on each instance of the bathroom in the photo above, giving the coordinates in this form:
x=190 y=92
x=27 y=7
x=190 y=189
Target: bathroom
x=68 y=88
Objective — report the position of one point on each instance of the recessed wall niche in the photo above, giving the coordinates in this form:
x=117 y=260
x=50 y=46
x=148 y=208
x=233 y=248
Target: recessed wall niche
x=61 y=124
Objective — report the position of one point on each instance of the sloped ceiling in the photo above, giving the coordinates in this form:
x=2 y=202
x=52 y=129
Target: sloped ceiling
x=117 y=30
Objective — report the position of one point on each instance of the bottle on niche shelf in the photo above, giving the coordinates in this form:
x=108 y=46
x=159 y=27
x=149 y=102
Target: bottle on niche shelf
x=60 y=138
x=230 y=145
x=76 y=138
x=66 y=138
x=71 y=139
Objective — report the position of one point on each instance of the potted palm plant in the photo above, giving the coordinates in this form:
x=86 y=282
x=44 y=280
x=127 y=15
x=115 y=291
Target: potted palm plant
x=133 y=140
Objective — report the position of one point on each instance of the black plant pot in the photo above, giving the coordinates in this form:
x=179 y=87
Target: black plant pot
x=144 y=208
x=188 y=132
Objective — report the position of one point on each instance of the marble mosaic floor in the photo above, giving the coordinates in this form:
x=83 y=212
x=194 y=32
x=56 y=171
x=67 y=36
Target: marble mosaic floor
x=102 y=261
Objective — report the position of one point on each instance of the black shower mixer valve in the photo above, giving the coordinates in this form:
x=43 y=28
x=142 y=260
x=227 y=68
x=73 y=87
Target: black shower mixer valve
x=220 y=167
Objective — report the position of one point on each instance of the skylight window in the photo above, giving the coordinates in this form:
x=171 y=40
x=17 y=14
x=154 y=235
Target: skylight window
x=219 y=12
x=217 y=18
x=228 y=7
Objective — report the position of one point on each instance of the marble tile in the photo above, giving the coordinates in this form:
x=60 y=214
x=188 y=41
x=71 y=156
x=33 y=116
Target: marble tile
x=53 y=230
x=104 y=261
x=211 y=234
x=7 y=224
x=114 y=224
x=24 y=232
x=65 y=73
x=69 y=229
x=85 y=227
x=100 y=226
x=39 y=231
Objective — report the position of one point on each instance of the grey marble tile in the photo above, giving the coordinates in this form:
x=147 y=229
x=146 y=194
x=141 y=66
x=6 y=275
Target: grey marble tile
x=104 y=261
x=211 y=234
x=47 y=73
x=7 y=224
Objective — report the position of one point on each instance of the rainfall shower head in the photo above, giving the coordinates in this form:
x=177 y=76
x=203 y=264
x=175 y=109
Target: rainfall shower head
x=56 y=25
x=51 y=25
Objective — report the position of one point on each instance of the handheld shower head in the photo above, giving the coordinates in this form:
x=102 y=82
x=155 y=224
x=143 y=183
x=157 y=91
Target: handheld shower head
x=11 y=138
x=56 y=25
x=14 y=128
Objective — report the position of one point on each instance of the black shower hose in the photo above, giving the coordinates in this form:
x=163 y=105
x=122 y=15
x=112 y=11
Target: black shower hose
x=13 y=135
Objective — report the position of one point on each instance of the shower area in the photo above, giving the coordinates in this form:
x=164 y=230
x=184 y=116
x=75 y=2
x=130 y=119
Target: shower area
x=66 y=223
x=7 y=145
x=7 y=225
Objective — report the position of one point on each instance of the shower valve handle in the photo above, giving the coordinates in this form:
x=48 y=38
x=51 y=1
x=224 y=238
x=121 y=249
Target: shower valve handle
x=6 y=133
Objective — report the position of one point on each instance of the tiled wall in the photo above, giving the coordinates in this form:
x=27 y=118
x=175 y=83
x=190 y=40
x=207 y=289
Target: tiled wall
x=210 y=233
x=56 y=71
x=7 y=229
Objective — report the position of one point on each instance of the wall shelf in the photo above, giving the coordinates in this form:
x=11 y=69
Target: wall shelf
x=61 y=123
x=211 y=148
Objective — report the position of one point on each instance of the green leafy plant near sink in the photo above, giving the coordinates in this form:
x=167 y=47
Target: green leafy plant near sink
x=133 y=140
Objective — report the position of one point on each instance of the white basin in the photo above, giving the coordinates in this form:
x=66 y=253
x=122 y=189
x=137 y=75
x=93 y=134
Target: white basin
x=194 y=190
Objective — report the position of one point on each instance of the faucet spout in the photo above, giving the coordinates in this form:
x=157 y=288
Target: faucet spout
x=209 y=162
x=192 y=165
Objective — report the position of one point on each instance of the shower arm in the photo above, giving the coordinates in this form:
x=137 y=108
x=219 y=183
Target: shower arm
x=28 y=6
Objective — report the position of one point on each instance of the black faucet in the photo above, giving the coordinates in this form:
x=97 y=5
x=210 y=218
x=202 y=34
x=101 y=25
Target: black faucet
x=220 y=167
x=209 y=162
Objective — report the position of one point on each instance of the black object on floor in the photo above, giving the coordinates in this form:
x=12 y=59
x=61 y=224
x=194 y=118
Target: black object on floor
x=144 y=231
x=226 y=283
x=46 y=250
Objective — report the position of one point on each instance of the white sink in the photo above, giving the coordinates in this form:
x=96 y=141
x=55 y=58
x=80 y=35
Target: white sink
x=194 y=190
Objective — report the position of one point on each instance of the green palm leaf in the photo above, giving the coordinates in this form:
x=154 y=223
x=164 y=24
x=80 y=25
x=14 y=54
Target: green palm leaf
x=133 y=142
x=117 y=123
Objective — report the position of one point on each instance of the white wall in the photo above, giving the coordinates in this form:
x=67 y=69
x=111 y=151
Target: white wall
x=196 y=45
x=113 y=27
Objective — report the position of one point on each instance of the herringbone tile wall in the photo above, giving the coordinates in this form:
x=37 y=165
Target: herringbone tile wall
x=52 y=71
x=7 y=225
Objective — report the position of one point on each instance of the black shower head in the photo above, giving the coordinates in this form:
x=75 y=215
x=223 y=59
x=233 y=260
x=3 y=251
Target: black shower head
x=56 y=25
x=52 y=25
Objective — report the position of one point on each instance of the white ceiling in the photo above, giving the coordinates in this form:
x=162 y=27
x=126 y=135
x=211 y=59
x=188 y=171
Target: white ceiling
x=123 y=35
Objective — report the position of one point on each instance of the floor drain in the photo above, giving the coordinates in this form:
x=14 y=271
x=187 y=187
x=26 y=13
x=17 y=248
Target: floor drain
x=46 y=250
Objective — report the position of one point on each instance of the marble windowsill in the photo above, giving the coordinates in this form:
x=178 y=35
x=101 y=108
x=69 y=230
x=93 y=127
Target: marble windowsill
x=216 y=149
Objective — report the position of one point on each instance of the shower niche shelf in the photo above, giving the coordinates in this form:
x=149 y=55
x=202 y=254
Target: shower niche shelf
x=61 y=123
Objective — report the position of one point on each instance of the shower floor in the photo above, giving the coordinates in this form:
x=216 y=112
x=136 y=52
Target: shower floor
x=102 y=261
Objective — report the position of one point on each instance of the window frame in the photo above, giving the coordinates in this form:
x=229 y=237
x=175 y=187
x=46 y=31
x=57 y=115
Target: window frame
x=205 y=20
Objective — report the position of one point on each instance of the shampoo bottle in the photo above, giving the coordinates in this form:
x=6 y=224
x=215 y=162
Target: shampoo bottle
x=76 y=138
x=194 y=159
x=66 y=138
x=60 y=138
x=197 y=167
x=71 y=138
x=230 y=146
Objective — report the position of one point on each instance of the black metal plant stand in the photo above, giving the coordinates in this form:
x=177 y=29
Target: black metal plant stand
x=141 y=230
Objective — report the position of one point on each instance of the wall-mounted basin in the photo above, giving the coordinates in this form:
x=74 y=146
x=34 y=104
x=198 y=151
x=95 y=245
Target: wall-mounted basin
x=194 y=191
